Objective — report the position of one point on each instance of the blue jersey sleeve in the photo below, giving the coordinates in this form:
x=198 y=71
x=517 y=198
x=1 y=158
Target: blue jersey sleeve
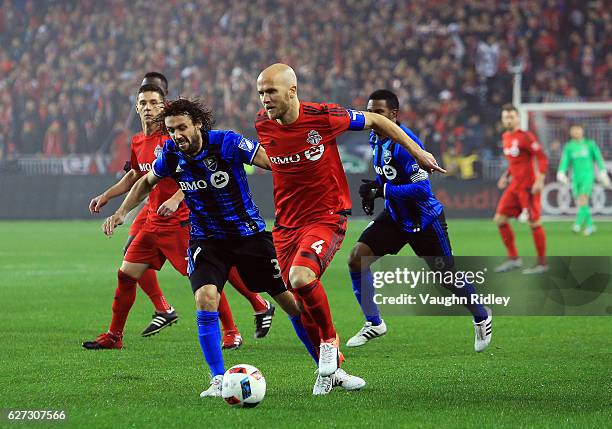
x=411 y=191
x=166 y=163
x=238 y=148
x=357 y=120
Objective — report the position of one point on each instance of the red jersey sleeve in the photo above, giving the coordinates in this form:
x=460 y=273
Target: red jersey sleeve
x=534 y=147
x=339 y=119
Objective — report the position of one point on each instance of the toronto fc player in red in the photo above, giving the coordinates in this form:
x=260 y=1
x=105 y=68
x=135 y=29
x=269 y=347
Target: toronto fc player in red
x=164 y=235
x=523 y=183
x=311 y=196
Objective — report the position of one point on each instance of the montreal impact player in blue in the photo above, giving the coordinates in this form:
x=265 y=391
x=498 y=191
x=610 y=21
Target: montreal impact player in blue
x=412 y=215
x=226 y=227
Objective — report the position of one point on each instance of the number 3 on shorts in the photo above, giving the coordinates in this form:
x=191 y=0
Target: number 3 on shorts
x=317 y=246
x=277 y=268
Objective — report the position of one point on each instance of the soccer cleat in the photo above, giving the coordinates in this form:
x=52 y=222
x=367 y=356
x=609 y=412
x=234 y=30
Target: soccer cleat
x=214 y=390
x=589 y=230
x=104 y=341
x=328 y=358
x=537 y=269
x=232 y=340
x=576 y=228
x=484 y=332
x=263 y=321
x=159 y=322
x=322 y=386
x=367 y=333
x=342 y=379
x=509 y=265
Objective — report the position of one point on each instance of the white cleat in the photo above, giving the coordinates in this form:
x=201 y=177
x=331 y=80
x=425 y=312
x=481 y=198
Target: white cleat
x=322 y=386
x=367 y=333
x=214 y=390
x=509 y=265
x=589 y=230
x=538 y=269
x=342 y=379
x=328 y=358
x=484 y=332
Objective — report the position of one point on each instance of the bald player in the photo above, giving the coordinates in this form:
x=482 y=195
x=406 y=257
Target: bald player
x=311 y=196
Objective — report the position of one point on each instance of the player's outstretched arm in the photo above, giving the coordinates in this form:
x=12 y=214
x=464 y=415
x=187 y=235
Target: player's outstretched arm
x=171 y=204
x=139 y=191
x=261 y=159
x=119 y=188
x=386 y=127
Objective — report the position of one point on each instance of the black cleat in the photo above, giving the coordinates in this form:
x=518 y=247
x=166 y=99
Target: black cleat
x=263 y=321
x=159 y=322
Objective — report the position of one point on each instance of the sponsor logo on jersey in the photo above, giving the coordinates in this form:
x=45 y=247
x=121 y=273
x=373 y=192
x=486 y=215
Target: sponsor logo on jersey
x=144 y=166
x=246 y=144
x=193 y=185
x=513 y=150
x=220 y=179
x=314 y=153
x=314 y=138
x=387 y=156
x=289 y=159
x=157 y=152
x=387 y=170
x=211 y=163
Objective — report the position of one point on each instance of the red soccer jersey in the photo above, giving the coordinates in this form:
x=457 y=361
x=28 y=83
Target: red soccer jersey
x=144 y=151
x=309 y=180
x=521 y=148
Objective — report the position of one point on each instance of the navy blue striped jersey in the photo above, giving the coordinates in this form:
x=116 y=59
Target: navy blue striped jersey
x=407 y=191
x=215 y=185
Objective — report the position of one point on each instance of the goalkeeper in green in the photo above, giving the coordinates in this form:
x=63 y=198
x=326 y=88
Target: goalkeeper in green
x=580 y=153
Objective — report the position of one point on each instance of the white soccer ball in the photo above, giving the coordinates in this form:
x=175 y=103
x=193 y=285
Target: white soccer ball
x=243 y=386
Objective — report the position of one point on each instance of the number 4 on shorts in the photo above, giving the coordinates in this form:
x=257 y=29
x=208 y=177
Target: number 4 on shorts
x=317 y=246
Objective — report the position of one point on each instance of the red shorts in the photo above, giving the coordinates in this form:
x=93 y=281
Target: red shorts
x=153 y=245
x=313 y=245
x=509 y=204
x=139 y=220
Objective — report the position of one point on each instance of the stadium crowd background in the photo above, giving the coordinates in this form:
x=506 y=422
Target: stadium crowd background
x=69 y=69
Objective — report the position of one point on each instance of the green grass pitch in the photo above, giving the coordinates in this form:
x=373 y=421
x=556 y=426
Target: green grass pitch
x=57 y=281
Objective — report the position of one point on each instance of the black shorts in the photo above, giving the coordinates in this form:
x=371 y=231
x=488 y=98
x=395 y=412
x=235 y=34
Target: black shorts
x=386 y=237
x=254 y=257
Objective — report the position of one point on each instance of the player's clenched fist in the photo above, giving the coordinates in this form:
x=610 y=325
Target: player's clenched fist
x=97 y=203
x=111 y=222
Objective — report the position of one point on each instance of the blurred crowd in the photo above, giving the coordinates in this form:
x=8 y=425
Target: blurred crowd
x=70 y=68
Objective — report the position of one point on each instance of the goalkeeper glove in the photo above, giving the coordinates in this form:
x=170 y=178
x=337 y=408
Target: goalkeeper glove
x=562 y=177
x=369 y=191
x=603 y=178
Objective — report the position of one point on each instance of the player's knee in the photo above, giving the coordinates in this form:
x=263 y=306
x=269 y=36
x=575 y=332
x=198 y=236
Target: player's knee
x=356 y=262
x=499 y=219
x=301 y=276
x=206 y=298
x=535 y=224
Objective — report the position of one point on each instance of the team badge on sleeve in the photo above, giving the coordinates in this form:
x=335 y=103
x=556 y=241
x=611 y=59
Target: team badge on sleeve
x=246 y=144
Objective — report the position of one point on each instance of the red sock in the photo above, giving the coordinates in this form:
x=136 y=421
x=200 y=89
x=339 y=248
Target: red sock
x=507 y=236
x=225 y=315
x=315 y=303
x=312 y=330
x=148 y=283
x=125 y=295
x=539 y=238
x=257 y=302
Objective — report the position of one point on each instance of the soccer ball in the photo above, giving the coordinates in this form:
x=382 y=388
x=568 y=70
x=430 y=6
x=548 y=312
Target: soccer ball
x=243 y=385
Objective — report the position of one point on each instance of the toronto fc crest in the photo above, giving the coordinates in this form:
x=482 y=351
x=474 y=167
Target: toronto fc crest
x=314 y=138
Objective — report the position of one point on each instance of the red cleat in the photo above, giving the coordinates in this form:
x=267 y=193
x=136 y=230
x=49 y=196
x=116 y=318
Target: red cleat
x=104 y=341
x=231 y=340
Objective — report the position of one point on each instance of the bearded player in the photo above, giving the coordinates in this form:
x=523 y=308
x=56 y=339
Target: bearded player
x=164 y=235
x=311 y=195
x=580 y=154
x=525 y=175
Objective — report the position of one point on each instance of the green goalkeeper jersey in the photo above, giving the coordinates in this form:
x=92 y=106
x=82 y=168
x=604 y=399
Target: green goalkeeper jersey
x=580 y=155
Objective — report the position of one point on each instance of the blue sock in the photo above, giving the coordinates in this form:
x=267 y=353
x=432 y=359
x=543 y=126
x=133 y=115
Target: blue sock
x=363 y=288
x=302 y=335
x=477 y=310
x=210 y=340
